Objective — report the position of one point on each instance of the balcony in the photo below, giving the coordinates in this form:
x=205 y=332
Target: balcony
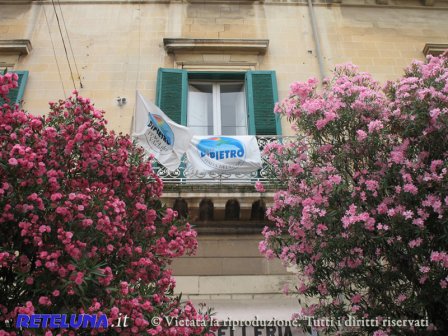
x=185 y=176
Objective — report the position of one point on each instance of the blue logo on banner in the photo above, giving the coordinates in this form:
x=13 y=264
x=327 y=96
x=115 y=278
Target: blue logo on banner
x=222 y=153
x=159 y=135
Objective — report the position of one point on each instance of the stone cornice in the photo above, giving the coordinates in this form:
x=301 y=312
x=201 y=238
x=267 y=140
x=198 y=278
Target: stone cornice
x=19 y=47
x=182 y=45
x=435 y=49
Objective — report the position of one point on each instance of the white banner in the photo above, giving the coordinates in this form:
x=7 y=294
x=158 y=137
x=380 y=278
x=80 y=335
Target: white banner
x=224 y=154
x=158 y=134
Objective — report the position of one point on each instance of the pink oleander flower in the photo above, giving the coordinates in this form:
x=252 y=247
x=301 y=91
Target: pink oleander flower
x=361 y=135
x=356 y=298
x=13 y=162
x=375 y=125
x=401 y=298
x=380 y=333
x=259 y=187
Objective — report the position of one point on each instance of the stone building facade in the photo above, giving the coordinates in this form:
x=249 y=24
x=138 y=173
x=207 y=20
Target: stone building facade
x=108 y=49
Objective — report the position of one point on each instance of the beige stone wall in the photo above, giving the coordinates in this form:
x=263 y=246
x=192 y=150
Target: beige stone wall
x=228 y=255
x=118 y=46
x=380 y=40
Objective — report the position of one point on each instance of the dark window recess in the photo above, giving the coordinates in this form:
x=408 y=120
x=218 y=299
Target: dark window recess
x=181 y=206
x=232 y=211
x=258 y=211
x=206 y=209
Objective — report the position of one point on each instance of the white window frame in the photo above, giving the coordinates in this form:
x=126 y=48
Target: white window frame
x=216 y=96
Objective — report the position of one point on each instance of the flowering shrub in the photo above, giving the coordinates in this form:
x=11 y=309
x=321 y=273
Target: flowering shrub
x=363 y=207
x=81 y=227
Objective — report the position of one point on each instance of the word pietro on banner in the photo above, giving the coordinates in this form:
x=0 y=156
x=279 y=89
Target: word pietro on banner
x=224 y=154
x=158 y=134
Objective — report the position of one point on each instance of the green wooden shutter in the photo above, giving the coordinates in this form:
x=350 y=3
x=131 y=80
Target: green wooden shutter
x=172 y=91
x=261 y=90
x=16 y=95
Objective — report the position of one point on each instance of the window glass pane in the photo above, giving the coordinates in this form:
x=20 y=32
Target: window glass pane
x=200 y=108
x=233 y=109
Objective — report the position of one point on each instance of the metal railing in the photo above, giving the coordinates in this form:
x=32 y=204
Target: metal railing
x=185 y=175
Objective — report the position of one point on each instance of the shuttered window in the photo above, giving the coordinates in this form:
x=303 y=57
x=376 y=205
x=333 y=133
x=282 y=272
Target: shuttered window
x=261 y=98
x=260 y=88
x=171 y=97
x=15 y=95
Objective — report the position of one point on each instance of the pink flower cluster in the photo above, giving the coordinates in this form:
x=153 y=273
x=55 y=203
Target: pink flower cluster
x=81 y=225
x=364 y=205
x=8 y=82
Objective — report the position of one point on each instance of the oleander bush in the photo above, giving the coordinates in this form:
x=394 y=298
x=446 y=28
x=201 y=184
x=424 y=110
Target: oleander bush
x=362 y=205
x=82 y=229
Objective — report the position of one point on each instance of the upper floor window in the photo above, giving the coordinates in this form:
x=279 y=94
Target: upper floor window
x=220 y=103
